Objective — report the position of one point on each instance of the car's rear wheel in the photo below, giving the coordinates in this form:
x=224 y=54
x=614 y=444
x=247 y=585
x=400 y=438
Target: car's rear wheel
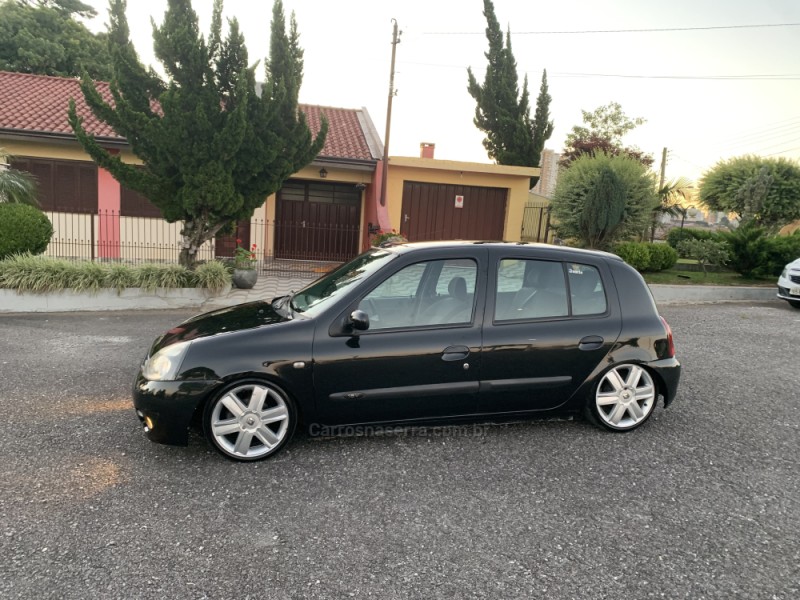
x=249 y=420
x=623 y=398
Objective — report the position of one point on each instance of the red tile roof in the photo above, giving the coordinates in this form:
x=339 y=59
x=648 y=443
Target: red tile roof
x=38 y=104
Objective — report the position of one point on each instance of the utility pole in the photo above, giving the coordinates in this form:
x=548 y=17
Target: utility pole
x=661 y=187
x=392 y=92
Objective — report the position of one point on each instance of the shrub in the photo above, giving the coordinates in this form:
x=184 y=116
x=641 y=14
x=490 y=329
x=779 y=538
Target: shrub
x=646 y=256
x=706 y=252
x=780 y=250
x=213 y=276
x=23 y=229
x=662 y=256
x=636 y=254
x=748 y=249
x=28 y=273
x=677 y=235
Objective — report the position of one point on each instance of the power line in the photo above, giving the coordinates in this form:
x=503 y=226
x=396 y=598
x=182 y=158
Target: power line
x=754 y=77
x=783 y=151
x=750 y=77
x=650 y=30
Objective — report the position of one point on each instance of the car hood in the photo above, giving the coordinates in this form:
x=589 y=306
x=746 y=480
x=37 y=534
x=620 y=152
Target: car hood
x=225 y=320
x=795 y=264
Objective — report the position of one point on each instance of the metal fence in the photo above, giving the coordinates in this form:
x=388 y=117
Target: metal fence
x=536 y=223
x=280 y=247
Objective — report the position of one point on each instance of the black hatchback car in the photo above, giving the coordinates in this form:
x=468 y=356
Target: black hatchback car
x=417 y=333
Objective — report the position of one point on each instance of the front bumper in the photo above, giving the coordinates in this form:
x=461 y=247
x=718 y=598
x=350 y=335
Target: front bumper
x=168 y=406
x=783 y=292
x=669 y=370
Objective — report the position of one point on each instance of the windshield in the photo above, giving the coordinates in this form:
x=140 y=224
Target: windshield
x=312 y=299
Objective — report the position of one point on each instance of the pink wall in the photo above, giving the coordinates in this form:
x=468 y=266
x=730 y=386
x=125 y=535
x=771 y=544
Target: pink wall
x=373 y=211
x=108 y=204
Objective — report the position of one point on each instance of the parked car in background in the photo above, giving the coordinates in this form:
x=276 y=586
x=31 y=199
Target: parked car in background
x=414 y=334
x=789 y=284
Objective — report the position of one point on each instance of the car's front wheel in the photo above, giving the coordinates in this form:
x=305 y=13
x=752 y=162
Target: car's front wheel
x=794 y=303
x=623 y=398
x=249 y=420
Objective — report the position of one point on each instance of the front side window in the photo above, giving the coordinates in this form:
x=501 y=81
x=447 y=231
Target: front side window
x=530 y=289
x=440 y=292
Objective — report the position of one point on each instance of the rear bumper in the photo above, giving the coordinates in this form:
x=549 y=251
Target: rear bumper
x=169 y=407
x=669 y=371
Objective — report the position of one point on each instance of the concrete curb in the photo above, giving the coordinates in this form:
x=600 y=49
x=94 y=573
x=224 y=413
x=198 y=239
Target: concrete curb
x=701 y=294
x=104 y=300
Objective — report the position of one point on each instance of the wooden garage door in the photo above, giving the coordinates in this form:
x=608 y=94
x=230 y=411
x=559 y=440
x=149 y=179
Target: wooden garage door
x=317 y=221
x=430 y=212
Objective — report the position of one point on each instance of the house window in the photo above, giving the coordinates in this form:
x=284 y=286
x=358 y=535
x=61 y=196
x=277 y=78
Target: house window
x=134 y=204
x=62 y=185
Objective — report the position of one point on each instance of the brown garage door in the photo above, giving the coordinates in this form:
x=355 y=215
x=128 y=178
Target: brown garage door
x=430 y=212
x=317 y=221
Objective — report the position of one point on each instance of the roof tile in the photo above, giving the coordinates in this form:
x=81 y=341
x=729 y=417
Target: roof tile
x=38 y=104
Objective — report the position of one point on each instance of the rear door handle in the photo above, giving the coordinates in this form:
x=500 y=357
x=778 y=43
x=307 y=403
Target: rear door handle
x=591 y=342
x=452 y=353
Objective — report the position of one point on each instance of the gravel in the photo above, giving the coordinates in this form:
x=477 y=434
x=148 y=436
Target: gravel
x=701 y=502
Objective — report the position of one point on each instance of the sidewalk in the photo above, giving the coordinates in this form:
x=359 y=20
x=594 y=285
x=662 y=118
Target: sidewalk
x=267 y=287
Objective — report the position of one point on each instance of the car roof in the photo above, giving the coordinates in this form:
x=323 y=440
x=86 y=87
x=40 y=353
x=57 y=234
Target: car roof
x=506 y=246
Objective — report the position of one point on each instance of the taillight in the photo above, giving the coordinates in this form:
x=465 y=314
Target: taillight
x=670 y=342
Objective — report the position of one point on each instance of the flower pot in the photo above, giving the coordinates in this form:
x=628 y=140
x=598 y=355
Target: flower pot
x=245 y=278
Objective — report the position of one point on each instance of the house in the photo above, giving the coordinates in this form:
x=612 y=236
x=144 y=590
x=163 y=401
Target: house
x=325 y=212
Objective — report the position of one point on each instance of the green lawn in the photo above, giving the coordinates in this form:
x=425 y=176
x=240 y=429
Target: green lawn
x=673 y=277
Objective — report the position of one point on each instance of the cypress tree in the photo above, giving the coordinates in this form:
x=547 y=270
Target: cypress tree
x=502 y=112
x=213 y=148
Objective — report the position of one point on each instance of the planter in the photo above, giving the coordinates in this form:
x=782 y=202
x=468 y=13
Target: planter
x=106 y=299
x=245 y=279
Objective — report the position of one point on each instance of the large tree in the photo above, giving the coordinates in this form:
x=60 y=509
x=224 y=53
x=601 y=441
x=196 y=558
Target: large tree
x=762 y=189
x=45 y=38
x=502 y=112
x=602 y=132
x=213 y=147
x=603 y=198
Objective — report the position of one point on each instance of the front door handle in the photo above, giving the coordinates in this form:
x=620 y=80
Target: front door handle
x=452 y=353
x=591 y=342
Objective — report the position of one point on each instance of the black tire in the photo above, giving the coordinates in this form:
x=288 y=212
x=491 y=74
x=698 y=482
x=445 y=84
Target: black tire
x=249 y=420
x=623 y=398
x=794 y=303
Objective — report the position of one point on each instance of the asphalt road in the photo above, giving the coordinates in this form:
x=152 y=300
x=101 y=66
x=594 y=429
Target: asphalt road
x=702 y=502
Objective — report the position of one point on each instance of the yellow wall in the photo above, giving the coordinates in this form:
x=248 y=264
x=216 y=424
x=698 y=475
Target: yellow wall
x=515 y=179
x=63 y=151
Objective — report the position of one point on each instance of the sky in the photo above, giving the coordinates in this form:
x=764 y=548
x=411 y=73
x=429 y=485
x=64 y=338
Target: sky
x=719 y=90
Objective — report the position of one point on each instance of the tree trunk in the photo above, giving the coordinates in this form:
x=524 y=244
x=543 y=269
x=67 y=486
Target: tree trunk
x=193 y=235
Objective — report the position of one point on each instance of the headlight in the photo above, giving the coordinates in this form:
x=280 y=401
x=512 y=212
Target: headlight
x=164 y=364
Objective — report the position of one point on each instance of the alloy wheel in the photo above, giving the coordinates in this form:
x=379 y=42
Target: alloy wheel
x=625 y=397
x=250 y=421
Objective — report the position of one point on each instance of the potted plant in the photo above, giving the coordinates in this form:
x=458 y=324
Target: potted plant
x=245 y=274
x=387 y=238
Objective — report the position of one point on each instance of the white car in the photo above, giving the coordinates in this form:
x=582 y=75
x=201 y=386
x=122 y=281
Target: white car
x=789 y=284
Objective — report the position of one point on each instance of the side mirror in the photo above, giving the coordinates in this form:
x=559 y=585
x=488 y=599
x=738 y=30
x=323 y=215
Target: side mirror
x=359 y=320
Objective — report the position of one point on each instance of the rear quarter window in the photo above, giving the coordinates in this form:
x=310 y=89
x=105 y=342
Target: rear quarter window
x=587 y=294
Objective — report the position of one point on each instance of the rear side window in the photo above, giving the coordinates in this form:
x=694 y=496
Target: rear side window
x=586 y=290
x=530 y=289
x=540 y=289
